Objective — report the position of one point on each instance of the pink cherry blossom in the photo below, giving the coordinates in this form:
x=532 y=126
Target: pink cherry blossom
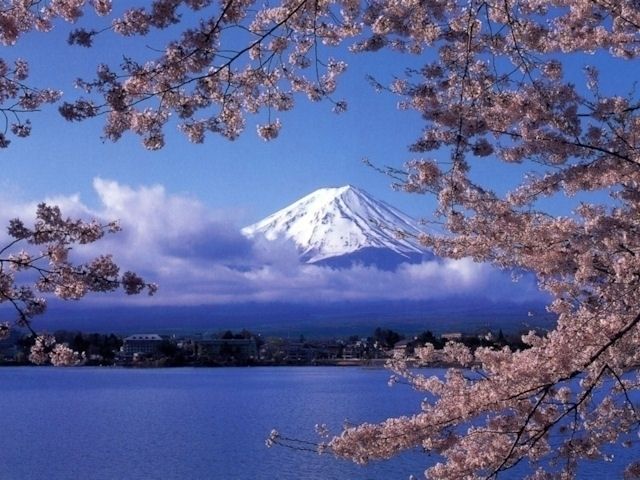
x=43 y=250
x=494 y=84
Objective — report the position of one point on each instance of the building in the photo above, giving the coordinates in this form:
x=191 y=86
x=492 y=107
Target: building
x=402 y=347
x=451 y=336
x=141 y=344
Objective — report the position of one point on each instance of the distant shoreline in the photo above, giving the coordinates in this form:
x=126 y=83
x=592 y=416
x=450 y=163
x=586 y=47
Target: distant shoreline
x=374 y=364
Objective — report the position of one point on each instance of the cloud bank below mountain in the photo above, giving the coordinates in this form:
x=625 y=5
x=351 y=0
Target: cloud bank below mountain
x=199 y=256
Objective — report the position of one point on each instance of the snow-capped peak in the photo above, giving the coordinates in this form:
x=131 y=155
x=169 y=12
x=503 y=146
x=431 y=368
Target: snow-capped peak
x=332 y=222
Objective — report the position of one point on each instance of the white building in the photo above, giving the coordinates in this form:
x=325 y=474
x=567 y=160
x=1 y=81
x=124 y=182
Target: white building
x=144 y=343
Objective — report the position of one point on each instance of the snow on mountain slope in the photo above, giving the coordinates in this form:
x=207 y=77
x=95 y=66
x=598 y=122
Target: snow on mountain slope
x=334 y=222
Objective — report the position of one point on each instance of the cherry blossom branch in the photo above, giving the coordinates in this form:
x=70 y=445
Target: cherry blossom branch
x=54 y=236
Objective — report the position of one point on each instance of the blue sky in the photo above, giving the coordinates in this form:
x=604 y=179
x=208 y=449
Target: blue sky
x=316 y=147
x=185 y=199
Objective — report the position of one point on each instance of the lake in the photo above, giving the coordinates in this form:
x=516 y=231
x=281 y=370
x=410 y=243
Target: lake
x=113 y=423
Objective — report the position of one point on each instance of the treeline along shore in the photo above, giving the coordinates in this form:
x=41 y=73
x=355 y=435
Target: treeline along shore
x=246 y=348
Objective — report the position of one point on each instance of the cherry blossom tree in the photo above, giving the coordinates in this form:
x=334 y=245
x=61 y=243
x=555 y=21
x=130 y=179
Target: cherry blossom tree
x=497 y=87
x=499 y=81
x=230 y=61
x=37 y=262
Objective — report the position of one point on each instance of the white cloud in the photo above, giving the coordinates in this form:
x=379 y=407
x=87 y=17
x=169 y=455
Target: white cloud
x=198 y=256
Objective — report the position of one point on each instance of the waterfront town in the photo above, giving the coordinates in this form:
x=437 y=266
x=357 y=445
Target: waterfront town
x=243 y=348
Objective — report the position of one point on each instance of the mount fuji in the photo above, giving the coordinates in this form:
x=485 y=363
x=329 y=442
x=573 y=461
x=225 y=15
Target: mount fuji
x=343 y=226
x=336 y=228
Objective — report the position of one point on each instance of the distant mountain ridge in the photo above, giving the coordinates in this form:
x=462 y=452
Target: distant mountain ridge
x=321 y=319
x=342 y=226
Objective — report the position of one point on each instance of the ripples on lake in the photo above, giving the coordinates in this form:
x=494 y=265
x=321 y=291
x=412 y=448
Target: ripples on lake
x=72 y=423
x=102 y=423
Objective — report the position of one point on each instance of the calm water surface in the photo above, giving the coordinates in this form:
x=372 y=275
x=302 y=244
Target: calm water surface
x=85 y=423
